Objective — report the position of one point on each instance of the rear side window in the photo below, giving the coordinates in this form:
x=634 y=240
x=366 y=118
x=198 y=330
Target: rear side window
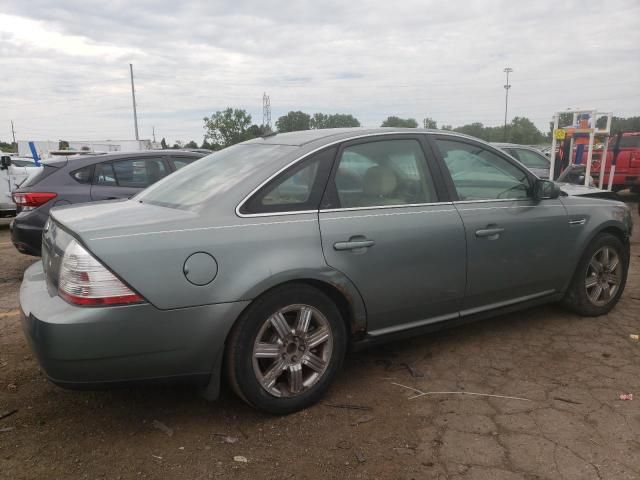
x=297 y=189
x=83 y=175
x=383 y=173
x=529 y=158
x=179 y=162
x=139 y=173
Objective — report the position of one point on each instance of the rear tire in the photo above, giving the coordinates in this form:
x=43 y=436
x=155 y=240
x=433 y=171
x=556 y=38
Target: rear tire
x=600 y=277
x=286 y=349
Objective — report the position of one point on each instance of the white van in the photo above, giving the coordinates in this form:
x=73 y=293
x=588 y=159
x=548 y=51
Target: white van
x=12 y=175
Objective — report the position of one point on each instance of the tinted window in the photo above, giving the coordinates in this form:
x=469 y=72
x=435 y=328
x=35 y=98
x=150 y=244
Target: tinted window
x=530 y=158
x=389 y=172
x=180 y=162
x=192 y=186
x=82 y=175
x=632 y=141
x=480 y=174
x=299 y=188
x=139 y=173
x=105 y=175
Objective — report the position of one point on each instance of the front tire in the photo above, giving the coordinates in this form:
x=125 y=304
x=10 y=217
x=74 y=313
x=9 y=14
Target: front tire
x=286 y=349
x=600 y=277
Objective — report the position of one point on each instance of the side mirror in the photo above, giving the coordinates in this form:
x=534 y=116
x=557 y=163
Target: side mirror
x=546 y=190
x=5 y=162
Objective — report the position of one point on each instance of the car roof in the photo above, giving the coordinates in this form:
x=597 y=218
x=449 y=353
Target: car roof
x=328 y=135
x=79 y=161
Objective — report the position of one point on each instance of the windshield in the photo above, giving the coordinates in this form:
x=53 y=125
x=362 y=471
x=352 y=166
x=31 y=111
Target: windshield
x=211 y=175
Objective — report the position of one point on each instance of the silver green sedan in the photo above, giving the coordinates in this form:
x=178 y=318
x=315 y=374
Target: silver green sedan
x=269 y=259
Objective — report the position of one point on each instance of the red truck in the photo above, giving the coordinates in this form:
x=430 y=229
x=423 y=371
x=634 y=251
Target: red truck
x=627 y=172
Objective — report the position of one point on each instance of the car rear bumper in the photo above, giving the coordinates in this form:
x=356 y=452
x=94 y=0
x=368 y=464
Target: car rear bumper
x=26 y=238
x=89 y=347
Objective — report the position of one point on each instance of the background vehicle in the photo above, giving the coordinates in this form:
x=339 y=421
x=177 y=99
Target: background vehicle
x=530 y=157
x=627 y=172
x=86 y=179
x=13 y=172
x=271 y=256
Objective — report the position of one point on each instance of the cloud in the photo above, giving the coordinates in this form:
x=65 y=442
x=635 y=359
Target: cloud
x=66 y=72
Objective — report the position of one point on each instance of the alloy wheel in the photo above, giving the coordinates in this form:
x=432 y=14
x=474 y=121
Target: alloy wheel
x=604 y=276
x=292 y=350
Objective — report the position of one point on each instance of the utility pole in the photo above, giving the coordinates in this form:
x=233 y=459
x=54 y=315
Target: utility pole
x=507 y=70
x=153 y=129
x=133 y=95
x=13 y=132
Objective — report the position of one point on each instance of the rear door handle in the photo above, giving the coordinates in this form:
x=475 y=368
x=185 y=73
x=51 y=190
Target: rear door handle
x=353 y=244
x=490 y=233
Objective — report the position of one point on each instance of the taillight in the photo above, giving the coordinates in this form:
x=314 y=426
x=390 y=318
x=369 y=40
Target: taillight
x=32 y=199
x=83 y=280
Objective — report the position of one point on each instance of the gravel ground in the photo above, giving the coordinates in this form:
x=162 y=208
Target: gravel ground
x=569 y=423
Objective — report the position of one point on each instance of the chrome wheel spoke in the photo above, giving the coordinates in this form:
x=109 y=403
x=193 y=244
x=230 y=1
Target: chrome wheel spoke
x=595 y=265
x=271 y=376
x=592 y=281
x=605 y=256
x=613 y=279
x=314 y=362
x=613 y=263
x=295 y=378
x=280 y=325
x=606 y=292
x=267 y=350
x=304 y=320
x=595 y=293
x=317 y=337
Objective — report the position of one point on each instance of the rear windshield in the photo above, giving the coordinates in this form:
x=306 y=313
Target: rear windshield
x=211 y=175
x=631 y=141
x=44 y=172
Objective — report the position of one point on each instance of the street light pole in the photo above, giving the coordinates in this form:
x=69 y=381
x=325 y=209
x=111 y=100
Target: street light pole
x=133 y=96
x=507 y=70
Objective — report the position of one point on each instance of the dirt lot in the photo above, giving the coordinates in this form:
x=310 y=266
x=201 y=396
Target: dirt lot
x=570 y=422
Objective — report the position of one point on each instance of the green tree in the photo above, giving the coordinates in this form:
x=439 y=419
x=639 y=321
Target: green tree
x=227 y=127
x=446 y=127
x=476 y=129
x=394 y=121
x=337 y=120
x=430 y=123
x=8 y=147
x=163 y=144
x=293 y=121
x=63 y=145
x=521 y=130
x=191 y=144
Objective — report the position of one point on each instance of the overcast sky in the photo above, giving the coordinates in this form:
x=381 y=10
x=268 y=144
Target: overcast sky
x=65 y=63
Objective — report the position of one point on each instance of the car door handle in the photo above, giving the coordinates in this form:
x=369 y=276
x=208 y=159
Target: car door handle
x=490 y=233
x=353 y=244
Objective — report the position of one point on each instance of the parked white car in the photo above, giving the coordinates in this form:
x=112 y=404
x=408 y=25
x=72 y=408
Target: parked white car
x=13 y=173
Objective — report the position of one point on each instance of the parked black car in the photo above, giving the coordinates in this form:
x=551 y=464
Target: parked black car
x=83 y=179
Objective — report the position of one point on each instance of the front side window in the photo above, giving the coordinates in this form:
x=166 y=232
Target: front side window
x=383 y=173
x=179 y=162
x=298 y=189
x=480 y=174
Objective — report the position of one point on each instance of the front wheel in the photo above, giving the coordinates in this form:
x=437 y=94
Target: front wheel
x=286 y=349
x=600 y=277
